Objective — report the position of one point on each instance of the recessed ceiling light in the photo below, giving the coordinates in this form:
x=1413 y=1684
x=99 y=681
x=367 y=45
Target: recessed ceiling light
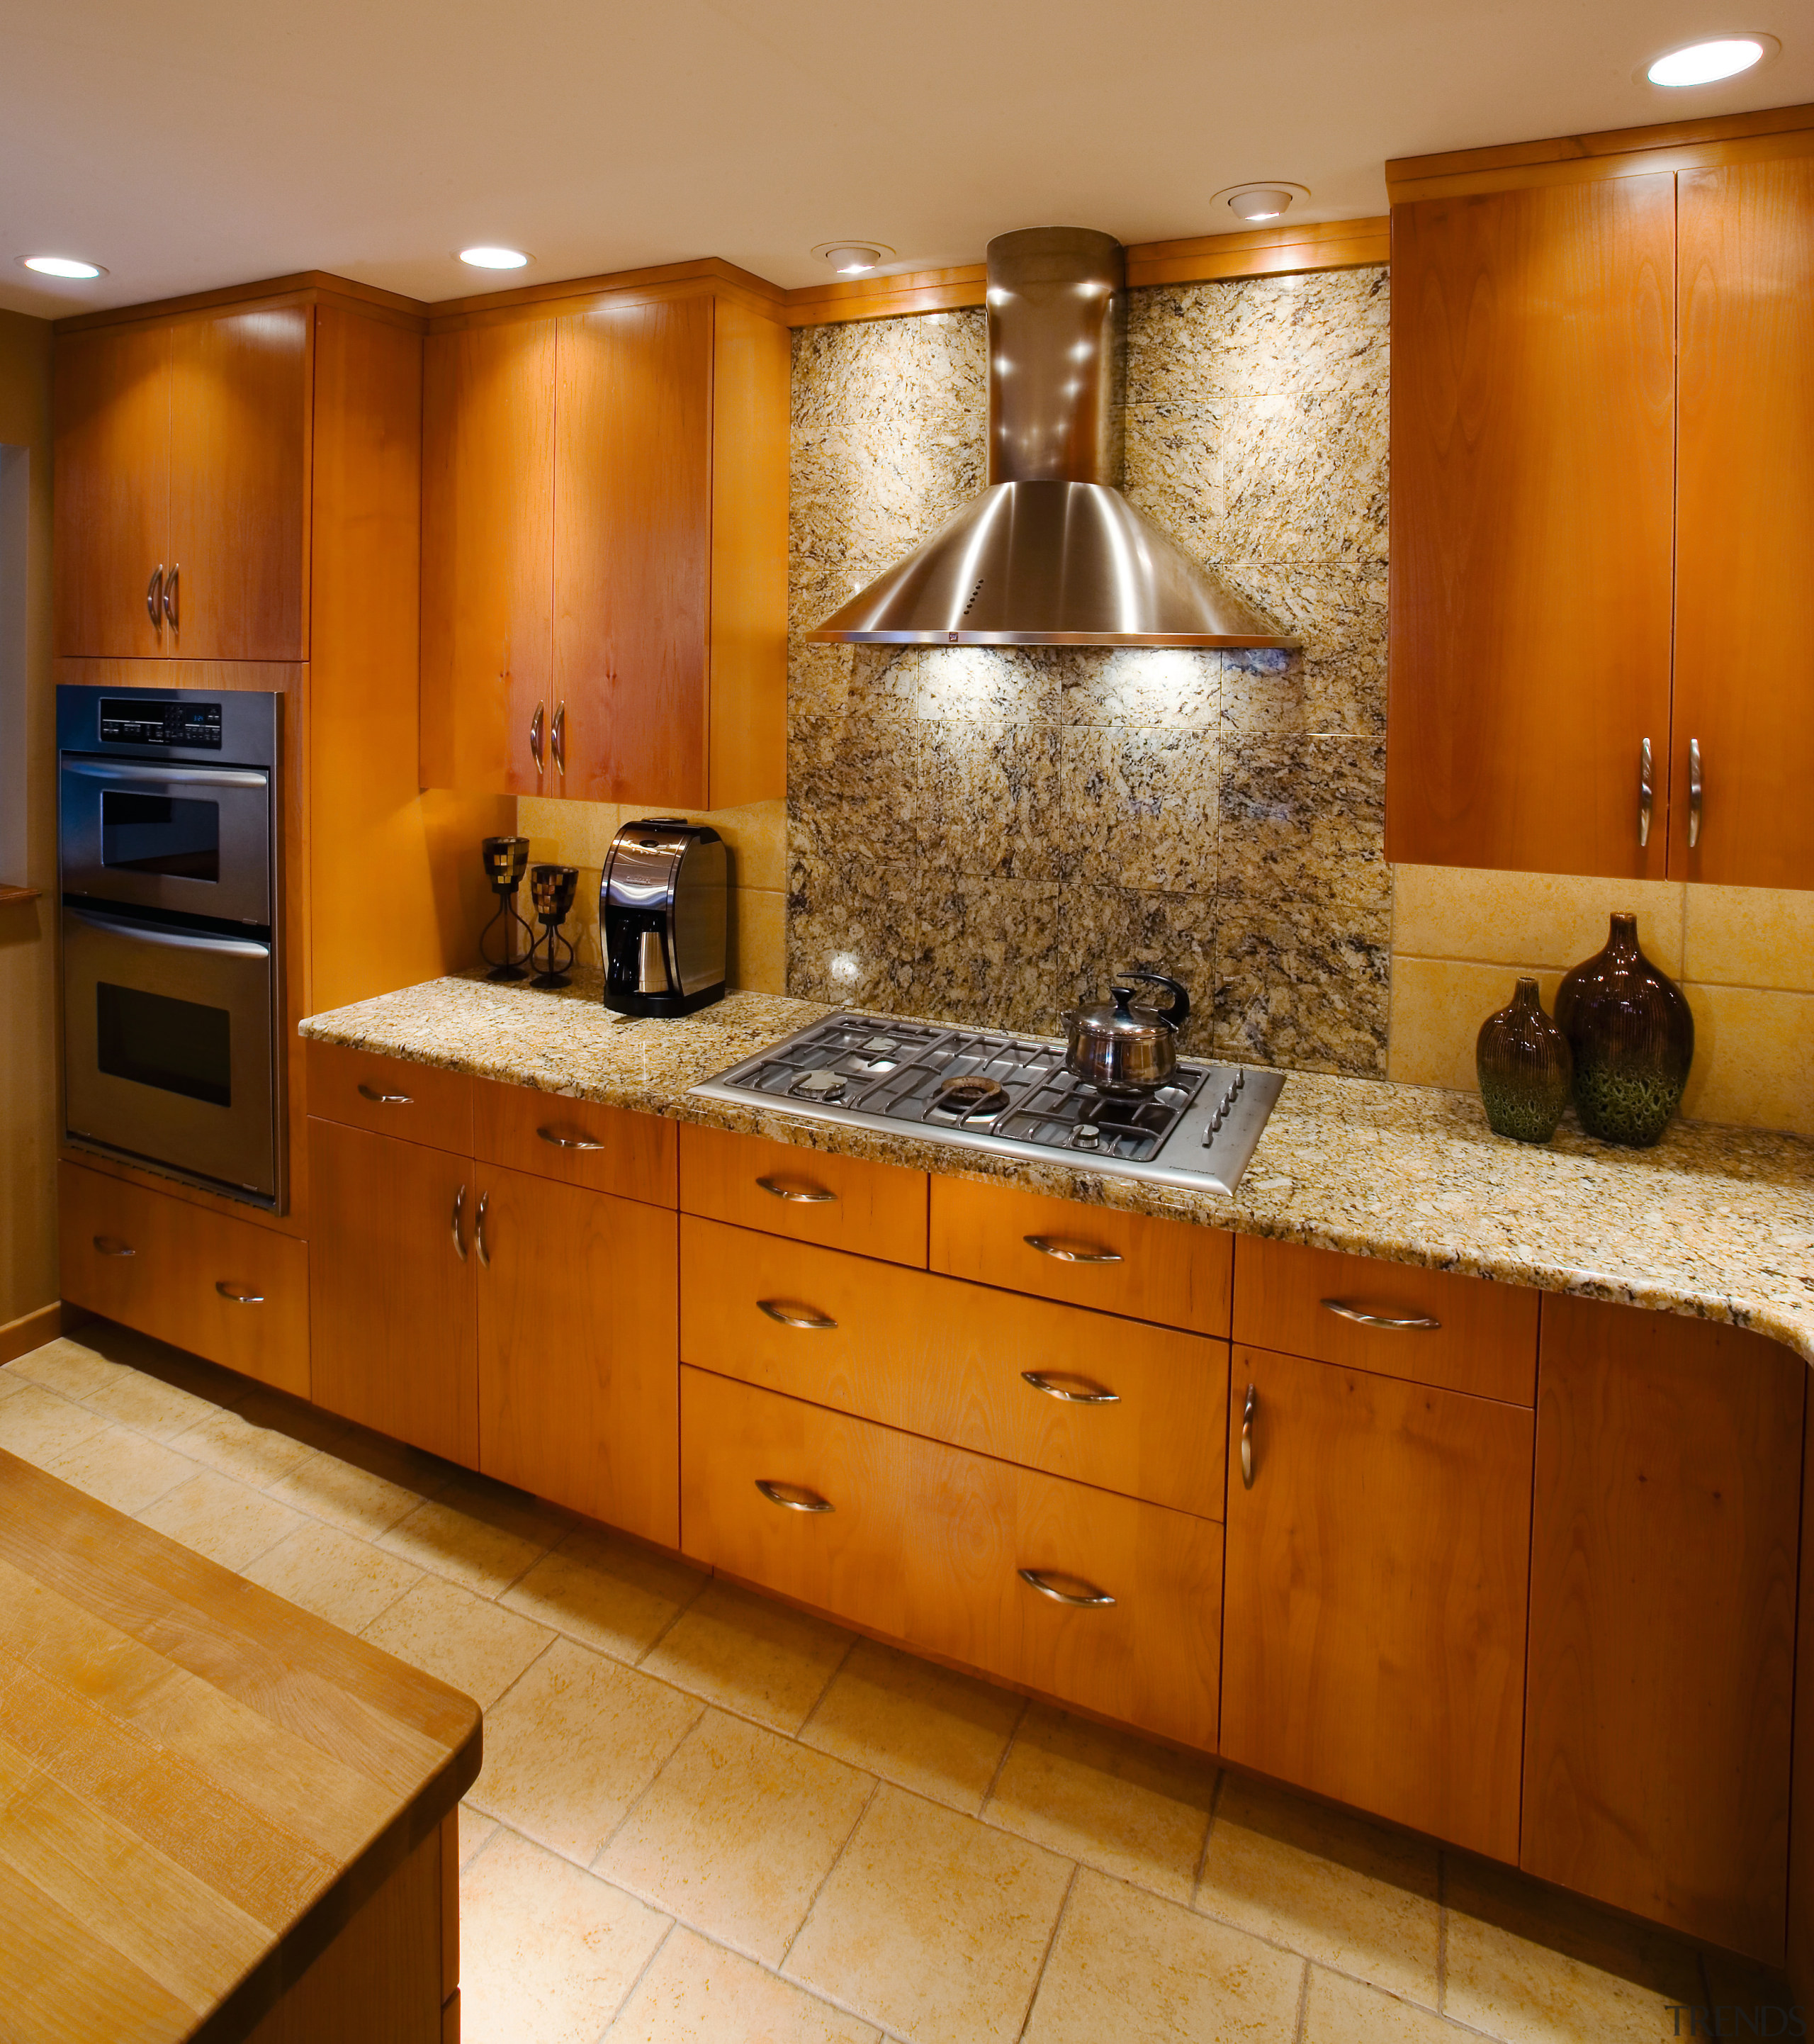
x=1260 y=202
x=852 y=258
x=1706 y=62
x=494 y=259
x=62 y=265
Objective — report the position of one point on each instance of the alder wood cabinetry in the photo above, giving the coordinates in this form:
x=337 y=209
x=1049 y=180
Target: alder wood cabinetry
x=1663 y=1619
x=811 y=1195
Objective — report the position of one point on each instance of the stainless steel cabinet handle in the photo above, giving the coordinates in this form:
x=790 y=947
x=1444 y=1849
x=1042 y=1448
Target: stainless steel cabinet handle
x=1071 y=1252
x=238 y=1294
x=790 y=1496
x=154 y=597
x=1694 y=793
x=1073 y=1390
x=1647 y=791
x=1410 y=1322
x=385 y=1099
x=111 y=1245
x=811 y=1196
x=558 y=735
x=567 y=1142
x=1080 y=1595
x=479 y=1241
x=1248 y=1408
x=459 y=1215
x=795 y=1316
x=538 y=723
x=170 y=598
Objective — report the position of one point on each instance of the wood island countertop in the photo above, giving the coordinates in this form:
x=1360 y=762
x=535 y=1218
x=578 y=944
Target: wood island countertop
x=201 y=1788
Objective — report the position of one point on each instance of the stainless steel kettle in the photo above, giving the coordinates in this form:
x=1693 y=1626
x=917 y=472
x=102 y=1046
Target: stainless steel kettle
x=1118 y=1048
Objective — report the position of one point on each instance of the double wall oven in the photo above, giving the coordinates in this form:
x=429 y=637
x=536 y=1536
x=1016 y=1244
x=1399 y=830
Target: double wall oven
x=168 y=842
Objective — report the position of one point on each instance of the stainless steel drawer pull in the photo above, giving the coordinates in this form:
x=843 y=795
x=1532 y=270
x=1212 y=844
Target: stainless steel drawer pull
x=567 y=1142
x=538 y=726
x=790 y=1497
x=479 y=1241
x=808 y=1195
x=154 y=597
x=1073 y=1390
x=1248 y=1409
x=1410 y=1322
x=1070 y=1252
x=557 y=741
x=111 y=1245
x=792 y=1315
x=1647 y=791
x=386 y=1099
x=170 y=598
x=238 y=1294
x=1061 y=1588
x=1694 y=792
x=459 y=1215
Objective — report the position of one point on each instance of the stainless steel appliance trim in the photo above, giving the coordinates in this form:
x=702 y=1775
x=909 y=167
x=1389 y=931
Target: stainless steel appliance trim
x=150 y=770
x=182 y=940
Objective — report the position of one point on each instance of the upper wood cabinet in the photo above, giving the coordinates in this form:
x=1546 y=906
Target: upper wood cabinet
x=181 y=518
x=605 y=563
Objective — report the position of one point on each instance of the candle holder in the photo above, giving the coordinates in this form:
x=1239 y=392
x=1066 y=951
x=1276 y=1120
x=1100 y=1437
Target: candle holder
x=505 y=860
x=552 y=888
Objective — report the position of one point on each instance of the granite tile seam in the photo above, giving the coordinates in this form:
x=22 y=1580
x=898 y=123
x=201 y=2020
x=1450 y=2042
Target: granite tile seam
x=1716 y=1224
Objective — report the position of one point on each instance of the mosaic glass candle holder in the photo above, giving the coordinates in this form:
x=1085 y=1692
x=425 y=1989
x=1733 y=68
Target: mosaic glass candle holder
x=551 y=892
x=505 y=858
x=1524 y=1066
x=1631 y=1033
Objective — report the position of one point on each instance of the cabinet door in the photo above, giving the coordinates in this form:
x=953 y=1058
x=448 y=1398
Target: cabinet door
x=633 y=543
x=239 y=484
x=111 y=409
x=1532 y=507
x=1744 y=663
x=390 y=1292
x=1373 y=1648
x=579 y=1367
x=1662 y=1619
x=488 y=555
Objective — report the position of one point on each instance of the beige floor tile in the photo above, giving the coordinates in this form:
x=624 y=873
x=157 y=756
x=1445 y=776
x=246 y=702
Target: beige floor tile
x=738 y=1833
x=145 y=1356
x=40 y=1426
x=476 y=1830
x=573 y=1745
x=410 y=1468
x=473 y=1536
x=264 y=1406
x=932 y=1925
x=228 y=1521
x=10 y=1380
x=345 y=1496
x=606 y=1593
x=462 y=1639
x=1533 y=1966
x=758 y=1658
x=939 y=1734
x=148 y=1405
x=346 y=1581
x=697 y=1993
x=1133 y=1967
x=1135 y=1810
x=547 y=1954
x=66 y=1367
x=1354 y=1895
x=1344 y=2012
x=123 y=1469
x=232 y=1444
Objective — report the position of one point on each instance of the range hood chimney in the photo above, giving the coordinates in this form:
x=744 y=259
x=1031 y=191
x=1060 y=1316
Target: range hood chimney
x=1052 y=554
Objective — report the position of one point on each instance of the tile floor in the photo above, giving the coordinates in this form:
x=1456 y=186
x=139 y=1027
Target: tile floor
x=704 y=1816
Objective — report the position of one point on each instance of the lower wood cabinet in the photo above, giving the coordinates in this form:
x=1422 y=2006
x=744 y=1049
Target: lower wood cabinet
x=1378 y=1568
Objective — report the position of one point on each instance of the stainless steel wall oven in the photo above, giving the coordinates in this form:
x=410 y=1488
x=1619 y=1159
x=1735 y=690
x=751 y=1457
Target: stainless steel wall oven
x=168 y=843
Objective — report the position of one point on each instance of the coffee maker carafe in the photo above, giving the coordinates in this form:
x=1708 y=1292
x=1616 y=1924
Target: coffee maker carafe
x=663 y=908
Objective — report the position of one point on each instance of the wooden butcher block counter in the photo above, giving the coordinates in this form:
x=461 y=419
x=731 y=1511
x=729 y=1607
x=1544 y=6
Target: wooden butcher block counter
x=221 y=1817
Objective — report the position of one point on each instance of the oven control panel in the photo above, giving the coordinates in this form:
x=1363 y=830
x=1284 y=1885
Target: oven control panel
x=133 y=720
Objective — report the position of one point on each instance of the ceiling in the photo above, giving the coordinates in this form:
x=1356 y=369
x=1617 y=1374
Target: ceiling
x=208 y=142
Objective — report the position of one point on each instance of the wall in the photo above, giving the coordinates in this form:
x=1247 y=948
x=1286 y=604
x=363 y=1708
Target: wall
x=28 y=1076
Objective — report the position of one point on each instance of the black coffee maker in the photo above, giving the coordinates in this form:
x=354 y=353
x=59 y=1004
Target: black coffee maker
x=663 y=912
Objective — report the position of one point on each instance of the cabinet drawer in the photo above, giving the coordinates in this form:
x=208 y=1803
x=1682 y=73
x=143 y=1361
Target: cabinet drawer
x=604 y=1149
x=935 y=1356
x=390 y=1096
x=1170 y=1271
x=1458 y=1334
x=227 y=1289
x=935 y=1546
x=809 y=1195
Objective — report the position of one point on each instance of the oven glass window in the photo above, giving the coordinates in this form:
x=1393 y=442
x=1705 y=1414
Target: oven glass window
x=160 y=834
x=178 y=1045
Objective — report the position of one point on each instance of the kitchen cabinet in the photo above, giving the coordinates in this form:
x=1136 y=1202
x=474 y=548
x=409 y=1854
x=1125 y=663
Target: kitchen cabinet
x=810 y=1195
x=181 y=486
x=1373 y=1646
x=1663 y=1577
x=605 y=549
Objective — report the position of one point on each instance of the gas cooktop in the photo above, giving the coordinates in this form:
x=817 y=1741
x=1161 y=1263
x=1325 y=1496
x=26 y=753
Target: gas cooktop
x=1011 y=1095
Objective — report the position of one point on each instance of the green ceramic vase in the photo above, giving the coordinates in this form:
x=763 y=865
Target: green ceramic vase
x=1524 y=1066
x=1632 y=1035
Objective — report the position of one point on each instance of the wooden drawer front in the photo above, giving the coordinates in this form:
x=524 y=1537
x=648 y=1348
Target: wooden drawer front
x=228 y=1289
x=927 y=1543
x=809 y=1195
x=604 y=1149
x=1484 y=1341
x=937 y=1356
x=1170 y=1271
x=390 y=1096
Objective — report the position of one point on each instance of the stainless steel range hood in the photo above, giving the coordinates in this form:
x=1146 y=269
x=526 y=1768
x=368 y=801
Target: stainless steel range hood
x=1052 y=554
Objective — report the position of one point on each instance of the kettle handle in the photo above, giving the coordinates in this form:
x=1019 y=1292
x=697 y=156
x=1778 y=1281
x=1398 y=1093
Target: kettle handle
x=1179 y=1013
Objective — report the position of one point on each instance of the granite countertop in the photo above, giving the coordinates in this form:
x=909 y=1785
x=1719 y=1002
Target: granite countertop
x=1715 y=1222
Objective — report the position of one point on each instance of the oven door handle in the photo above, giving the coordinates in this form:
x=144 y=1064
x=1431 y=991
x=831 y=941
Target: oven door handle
x=189 y=777
x=153 y=933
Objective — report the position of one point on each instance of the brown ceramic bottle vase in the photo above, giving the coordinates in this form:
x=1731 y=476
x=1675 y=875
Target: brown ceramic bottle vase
x=1632 y=1036
x=1524 y=1068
